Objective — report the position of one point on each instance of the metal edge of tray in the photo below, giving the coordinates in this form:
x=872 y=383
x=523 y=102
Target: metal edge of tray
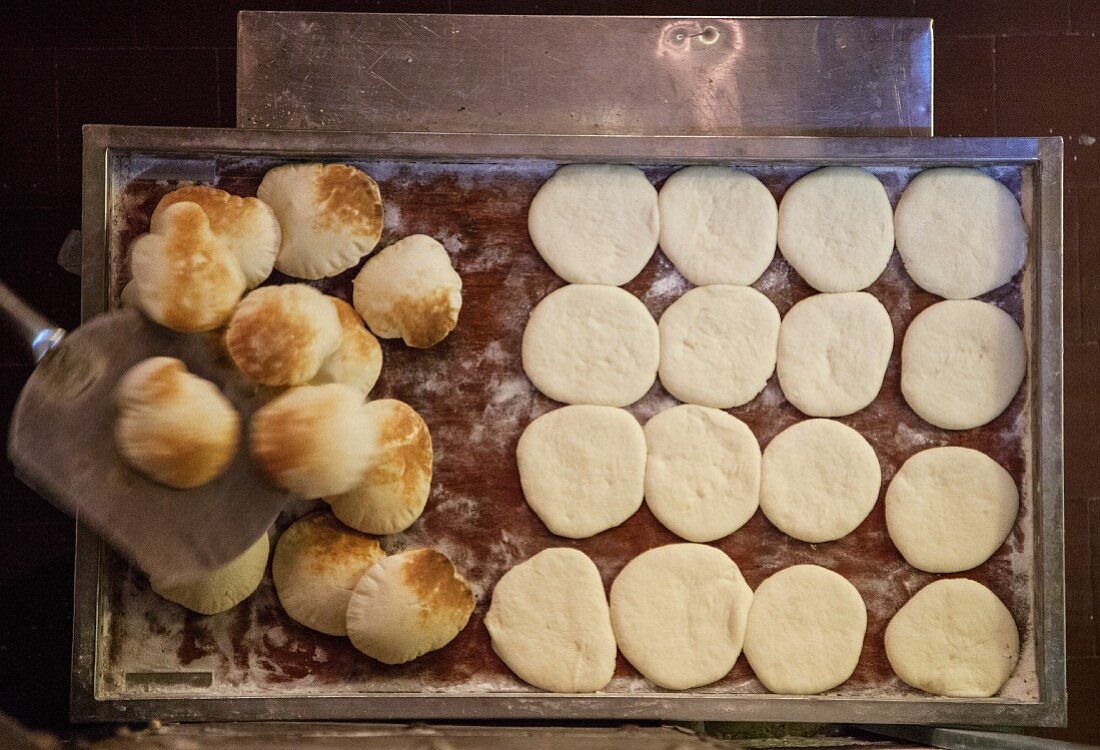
x=1043 y=154
x=682 y=75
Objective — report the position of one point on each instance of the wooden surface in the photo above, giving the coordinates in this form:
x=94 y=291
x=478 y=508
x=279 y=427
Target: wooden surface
x=1016 y=68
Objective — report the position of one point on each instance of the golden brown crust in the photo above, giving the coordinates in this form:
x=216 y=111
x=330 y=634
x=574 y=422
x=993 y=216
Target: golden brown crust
x=264 y=336
x=408 y=453
x=283 y=437
x=436 y=584
x=332 y=544
x=425 y=321
x=223 y=210
x=360 y=342
x=199 y=263
x=348 y=199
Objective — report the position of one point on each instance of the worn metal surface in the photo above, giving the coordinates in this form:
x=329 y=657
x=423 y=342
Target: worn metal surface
x=584 y=74
x=194 y=154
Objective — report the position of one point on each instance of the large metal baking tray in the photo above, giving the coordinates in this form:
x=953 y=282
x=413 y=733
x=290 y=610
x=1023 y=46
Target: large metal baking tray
x=1038 y=162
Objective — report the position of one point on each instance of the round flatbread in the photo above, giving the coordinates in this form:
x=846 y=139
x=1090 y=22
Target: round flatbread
x=282 y=335
x=954 y=638
x=591 y=344
x=702 y=474
x=410 y=291
x=393 y=489
x=962 y=363
x=407 y=605
x=718 y=345
x=805 y=630
x=582 y=468
x=833 y=353
x=219 y=589
x=836 y=228
x=316 y=564
x=330 y=216
x=949 y=509
x=550 y=623
x=357 y=360
x=718 y=225
x=819 y=479
x=247 y=225
x=173 y=426
x=960 y=232
x=679 y=614
x=595 y=223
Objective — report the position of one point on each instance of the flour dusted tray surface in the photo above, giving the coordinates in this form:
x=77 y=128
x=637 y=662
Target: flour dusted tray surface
x=473 y=394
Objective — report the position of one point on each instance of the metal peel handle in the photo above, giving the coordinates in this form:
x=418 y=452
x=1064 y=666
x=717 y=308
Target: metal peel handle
x=39 y=332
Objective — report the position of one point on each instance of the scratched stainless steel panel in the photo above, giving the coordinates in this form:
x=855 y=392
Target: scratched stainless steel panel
x=575 y=75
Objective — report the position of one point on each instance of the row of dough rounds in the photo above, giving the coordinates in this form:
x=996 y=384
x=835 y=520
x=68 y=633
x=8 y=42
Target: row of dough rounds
x=338 y=581
x=962 y=361
x=682 y=614
x=586 y=469
x=960 y=233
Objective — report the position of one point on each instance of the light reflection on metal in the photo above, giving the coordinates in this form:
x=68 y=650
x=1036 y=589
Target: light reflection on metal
x=575 y=75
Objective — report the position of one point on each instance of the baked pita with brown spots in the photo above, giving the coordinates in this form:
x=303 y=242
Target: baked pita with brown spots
x=410 y=291
x=357 y=360
x=281 y=335
x=185 y=276
x=316 y=565
x=407 y=605
x=394 y=489
x=173 y=426
x=309 y=439
x=330 y=216
x=247 y=226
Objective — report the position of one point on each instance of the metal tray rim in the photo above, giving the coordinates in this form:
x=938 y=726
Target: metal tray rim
x=1044 y=153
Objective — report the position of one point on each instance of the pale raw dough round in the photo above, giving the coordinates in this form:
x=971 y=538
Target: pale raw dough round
x=316 y=565
x=962 y=362
x=582 y=468
x=172 y=425
x=702 y=474
x=954 y=638
x=550 y=623
x=330 y=216
x=410 y=291
x=960 y=233
x=394 y=488
x=833 y=353
x=836 y=228
x=309 y=440
x=220 y=589
x=718 y=345
x=819 y=480
x=595 y=223
x=679 y=614
x=591 y=344
x=407 y=605
x=805 y=630
x=718 y=225
x=949 y=509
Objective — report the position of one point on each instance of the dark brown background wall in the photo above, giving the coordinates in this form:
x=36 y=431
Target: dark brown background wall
x=1011 y=67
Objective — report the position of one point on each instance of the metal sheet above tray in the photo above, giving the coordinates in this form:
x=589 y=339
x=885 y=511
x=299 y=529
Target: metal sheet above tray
x=116 y=157
x=584 y=74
